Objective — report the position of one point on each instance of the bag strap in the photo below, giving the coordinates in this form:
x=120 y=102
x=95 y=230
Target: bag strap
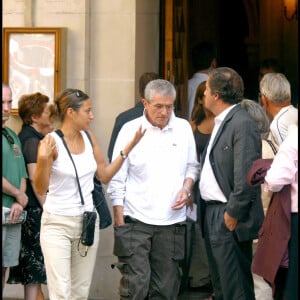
x=272 y=146
x=89 y=137
x=61 y=135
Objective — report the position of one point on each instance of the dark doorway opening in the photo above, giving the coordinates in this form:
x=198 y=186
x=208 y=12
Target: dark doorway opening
x=225 y=23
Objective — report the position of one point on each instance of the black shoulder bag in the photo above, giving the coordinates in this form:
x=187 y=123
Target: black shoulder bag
x=100 y=200
x=89 y=217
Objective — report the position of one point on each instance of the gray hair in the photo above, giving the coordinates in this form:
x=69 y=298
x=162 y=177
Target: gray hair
x=161 y=87
x=257 y=113
x=275 y=87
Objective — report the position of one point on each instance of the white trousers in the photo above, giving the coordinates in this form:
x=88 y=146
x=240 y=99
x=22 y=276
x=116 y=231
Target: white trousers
x=69 y=275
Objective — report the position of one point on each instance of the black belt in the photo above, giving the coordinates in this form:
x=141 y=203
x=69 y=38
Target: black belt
x=128 y=219
x=213 y=202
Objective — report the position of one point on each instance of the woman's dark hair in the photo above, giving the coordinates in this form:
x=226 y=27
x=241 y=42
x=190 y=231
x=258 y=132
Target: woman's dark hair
x=69 y=98
x=198 y=114
x=30 y=105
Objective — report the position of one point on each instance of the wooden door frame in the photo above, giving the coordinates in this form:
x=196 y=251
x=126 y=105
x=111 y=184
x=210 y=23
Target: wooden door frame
x=167 y=49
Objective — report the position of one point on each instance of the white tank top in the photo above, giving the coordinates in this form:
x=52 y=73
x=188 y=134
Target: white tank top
x=63 y=196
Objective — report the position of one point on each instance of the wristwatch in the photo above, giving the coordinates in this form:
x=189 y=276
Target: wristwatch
x=188 y=191
x=124 y=156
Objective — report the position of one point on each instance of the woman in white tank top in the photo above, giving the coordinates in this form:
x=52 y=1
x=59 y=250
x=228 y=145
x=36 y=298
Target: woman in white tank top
x=69 y=272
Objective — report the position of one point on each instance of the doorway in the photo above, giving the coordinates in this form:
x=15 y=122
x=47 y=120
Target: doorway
x=232 y=25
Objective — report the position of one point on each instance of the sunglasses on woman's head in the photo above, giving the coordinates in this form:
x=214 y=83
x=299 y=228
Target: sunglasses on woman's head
x=78 y=93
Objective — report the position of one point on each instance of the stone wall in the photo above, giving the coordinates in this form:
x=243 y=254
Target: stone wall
x=110 y=43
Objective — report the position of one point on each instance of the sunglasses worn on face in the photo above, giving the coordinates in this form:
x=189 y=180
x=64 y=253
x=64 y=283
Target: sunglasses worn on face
x=8 y=137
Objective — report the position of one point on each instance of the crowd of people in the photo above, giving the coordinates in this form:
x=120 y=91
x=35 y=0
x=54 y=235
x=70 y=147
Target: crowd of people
x=232 y=159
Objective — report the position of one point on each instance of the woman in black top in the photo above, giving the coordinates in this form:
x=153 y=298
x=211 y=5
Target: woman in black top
x=37 y=116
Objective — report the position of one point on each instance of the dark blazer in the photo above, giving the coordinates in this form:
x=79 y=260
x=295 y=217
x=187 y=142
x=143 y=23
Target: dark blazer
x=274 y=235
x=236 y=146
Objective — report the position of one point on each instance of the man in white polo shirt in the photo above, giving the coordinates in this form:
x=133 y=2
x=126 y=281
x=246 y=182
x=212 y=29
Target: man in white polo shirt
x=149 y=196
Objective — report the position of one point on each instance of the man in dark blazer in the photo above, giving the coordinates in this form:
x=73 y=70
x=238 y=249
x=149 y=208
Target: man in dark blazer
x=233 y=210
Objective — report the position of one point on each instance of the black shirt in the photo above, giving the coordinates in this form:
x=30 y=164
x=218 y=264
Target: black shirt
x=30 y=140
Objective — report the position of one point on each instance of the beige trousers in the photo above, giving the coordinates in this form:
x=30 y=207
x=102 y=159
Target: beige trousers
x=69 y=275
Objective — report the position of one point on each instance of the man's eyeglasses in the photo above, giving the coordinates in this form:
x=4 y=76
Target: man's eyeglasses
x=8 y=137
x=161 y=106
